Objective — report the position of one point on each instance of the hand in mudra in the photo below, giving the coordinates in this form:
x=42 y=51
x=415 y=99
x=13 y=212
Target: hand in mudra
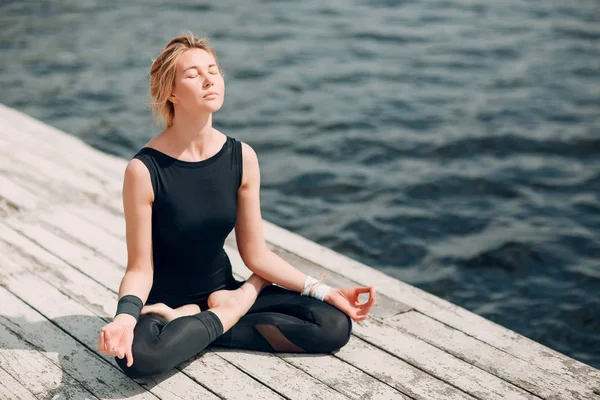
x=116 y=338
x=346 y=299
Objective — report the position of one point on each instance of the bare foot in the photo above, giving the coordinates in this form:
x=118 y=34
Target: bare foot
x=225 y=298
x=168 y=313
x=235 y=297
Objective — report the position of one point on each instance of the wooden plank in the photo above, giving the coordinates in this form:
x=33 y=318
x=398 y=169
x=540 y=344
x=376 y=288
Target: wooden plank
x=29 y=147
x=56 y=182
x=582 y=377
x=10 y=388
x=56 y=142
x=397 y=373
x=89 y=294
x=496 y=362
x=82 y=258
x=87 y=299
x=343 y=377
x=434 y=361
x=64 y=180
x=69 y=367
x=224 y=379
x=86 y=233
x=290 y=382
x=37 y=370
x=18 y=197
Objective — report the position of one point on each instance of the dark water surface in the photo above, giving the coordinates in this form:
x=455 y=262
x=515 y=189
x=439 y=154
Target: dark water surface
x=454 y=145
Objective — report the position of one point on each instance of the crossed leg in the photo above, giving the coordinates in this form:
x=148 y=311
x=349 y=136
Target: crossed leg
x=282 y=320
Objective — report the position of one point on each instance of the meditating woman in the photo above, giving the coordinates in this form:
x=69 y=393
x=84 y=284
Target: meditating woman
x=184 y=191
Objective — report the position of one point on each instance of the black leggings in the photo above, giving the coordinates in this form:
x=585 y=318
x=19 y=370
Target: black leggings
x=280 y=320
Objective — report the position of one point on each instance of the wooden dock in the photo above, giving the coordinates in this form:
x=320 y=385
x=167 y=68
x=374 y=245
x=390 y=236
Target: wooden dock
x=63 y=255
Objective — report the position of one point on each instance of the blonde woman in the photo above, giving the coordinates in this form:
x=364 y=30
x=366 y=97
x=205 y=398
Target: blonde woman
x=183 y=193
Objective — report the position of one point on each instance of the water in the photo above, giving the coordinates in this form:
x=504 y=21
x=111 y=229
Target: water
x=454 y=145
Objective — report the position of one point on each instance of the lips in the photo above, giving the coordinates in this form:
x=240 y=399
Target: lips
x=209 y=94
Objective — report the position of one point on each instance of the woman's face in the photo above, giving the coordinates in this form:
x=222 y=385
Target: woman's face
x=196 y=76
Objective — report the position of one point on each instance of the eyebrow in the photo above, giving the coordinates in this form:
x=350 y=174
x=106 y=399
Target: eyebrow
x=195 y=66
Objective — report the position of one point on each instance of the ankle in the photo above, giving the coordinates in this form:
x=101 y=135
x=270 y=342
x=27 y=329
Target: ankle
x=256 y=282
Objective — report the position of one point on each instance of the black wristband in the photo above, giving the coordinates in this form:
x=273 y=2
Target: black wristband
x=130 y=304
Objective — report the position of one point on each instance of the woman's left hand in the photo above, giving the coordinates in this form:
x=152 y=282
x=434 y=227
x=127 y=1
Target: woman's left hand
x=346 y=299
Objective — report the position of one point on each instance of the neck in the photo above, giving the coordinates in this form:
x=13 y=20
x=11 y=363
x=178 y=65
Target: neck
x=192 y=132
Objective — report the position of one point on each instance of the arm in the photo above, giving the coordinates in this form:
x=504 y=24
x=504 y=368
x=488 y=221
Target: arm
x=268 y=265
x=138 y=196
x=249 y=234
x=116 y=338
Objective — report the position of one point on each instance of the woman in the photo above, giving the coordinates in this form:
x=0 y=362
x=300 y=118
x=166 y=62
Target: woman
x=183 y=193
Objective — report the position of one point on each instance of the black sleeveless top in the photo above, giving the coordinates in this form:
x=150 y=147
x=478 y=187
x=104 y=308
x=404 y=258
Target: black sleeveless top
x=194 y=210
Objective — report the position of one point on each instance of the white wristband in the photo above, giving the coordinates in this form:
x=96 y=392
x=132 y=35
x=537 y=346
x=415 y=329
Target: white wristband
x=319 y=289
x=308 y=284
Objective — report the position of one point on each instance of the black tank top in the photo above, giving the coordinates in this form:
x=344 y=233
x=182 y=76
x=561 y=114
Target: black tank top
x=194 y=210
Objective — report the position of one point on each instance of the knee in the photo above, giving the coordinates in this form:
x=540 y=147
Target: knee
x=337 y=329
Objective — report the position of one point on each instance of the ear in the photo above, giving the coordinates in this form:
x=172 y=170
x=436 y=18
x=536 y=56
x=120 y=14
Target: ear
x=173 y=99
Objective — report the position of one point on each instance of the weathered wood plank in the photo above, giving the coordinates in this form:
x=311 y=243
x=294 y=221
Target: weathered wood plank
x=444 y=366
x=37 y=370
x=397 y=373
x=224 y=379
x=496 y=362
x=56 y=182
x=86 y=233
x=55 y=142
x=282 y=377
x=84 y=259
x=10 y=388
x=18 y=197
x=54 y=277
x=343 y=377
x=581 y=376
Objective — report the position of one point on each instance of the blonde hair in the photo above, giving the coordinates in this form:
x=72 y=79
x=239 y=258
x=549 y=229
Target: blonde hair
x=162 y=74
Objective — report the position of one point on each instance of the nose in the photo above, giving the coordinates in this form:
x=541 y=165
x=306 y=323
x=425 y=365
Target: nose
x=208 y=81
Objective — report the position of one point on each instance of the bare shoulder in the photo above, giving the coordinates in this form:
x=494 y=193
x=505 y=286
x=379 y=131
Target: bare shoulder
x=136 y=170
x=137 y=180
x=251 y=171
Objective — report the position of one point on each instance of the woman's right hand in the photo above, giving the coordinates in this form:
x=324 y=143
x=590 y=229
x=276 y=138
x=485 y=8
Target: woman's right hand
x=116 y=338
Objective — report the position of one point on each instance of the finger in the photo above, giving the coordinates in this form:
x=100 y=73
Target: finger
x=359 y=318
x=101 y=342
x=372 y=297
x=129 y=358
x=364 y=289
x=107 y=341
